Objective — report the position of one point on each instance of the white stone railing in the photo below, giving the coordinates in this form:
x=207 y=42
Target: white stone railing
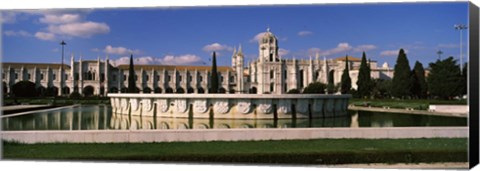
x=231 y=106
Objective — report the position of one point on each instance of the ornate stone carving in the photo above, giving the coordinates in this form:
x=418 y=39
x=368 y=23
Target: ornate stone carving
x=221 y=106
x=317 y=105
x=163 y=105
x=181 y=105
x=243 y=106
x=265 y=106
x=200 y=106
x=284 y=106
x=330 y=105
x=302 y=106
x=124 y=104
x=134 y=103
x=146 y=103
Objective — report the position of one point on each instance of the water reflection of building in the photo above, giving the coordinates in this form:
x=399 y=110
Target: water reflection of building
x=269 y=74
x=101 y=118
x=79 y=118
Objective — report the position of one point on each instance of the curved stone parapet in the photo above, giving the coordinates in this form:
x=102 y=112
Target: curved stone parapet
x=229 y=106
x=264 y=109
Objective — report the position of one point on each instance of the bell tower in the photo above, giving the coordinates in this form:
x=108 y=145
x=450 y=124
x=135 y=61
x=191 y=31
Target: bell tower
x=268 y=47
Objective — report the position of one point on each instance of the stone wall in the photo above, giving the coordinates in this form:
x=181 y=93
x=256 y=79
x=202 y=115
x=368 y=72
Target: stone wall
x=231 y=106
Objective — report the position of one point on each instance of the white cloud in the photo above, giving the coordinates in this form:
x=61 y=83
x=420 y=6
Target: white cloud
x=391 y=52
x=83 y=29
x=341 y=48
x=45 y=36
x=305 y=33
x=17 y=33
x=216 y=47
x=361 y=48
x=7 y=17
x=283 y=52
x=118 y=50
x=257 y=37
x=59 y=19
x=187 y=59
x=95 y=50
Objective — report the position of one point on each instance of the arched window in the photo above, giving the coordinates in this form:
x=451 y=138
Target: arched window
x=271 y=87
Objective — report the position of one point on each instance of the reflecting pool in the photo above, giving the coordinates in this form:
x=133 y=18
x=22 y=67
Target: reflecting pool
x=100 y=117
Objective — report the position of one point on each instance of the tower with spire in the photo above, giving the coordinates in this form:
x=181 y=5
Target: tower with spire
x=268 y=47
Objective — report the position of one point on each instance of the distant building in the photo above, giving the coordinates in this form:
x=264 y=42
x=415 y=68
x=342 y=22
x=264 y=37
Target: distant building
x=270 y=73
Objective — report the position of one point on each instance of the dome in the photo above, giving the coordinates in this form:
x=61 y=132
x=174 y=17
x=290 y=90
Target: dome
x=268 y=36
x=385 y=65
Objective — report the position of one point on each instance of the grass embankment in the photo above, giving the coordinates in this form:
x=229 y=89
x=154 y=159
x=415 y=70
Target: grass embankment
x=322 y=151
x=417 y=104
x=56 y=101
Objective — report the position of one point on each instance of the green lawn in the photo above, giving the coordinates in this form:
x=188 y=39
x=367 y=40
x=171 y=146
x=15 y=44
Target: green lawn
x=321 y=151
x=417 y=104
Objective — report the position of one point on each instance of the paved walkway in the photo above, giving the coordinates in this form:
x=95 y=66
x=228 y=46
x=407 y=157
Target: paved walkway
x=23 y=108
x=450 y=165
x=404 y=111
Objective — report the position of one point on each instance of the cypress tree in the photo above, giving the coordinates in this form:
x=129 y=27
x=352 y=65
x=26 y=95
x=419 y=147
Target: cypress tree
x=401 y=82
x=131 y=77
x=346 y=81
x=214 y=77
x=364 y=80
x=330 y=85
x=444 y=80
x=419 y=85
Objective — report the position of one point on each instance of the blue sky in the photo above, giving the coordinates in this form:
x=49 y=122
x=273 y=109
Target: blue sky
x=187 y=36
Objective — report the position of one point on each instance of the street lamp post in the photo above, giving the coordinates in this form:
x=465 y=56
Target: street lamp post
x=439 y=53
x=460 y=27
x=61 y=68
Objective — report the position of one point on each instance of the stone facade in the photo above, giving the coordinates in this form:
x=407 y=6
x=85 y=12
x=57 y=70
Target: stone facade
x=269 y=74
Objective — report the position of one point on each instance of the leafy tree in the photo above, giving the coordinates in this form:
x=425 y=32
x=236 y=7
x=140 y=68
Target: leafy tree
x=131 y=77
x=464 y=81
x=364 y=80
x=444 y=80
x=380 y=88
x=346 y=83
x=293 y=91
x=315 y=88
x=24 y=89
x=214 y=77
x=401 y=82
x=419 y=85
x=330 y=85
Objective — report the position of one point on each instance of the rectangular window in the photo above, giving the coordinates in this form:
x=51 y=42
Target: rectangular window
x=285 y=74
x=16 y=76
x=169 y=78
x=179 y=78
x=232 y=79
x=124 y=77
x=146 y=78
x=200 y=78
x=114 y=78
x=189 y=78
x=102 y=77
x=54 y=76
x=41 y=76
x=221 y=79
x=28 y=75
